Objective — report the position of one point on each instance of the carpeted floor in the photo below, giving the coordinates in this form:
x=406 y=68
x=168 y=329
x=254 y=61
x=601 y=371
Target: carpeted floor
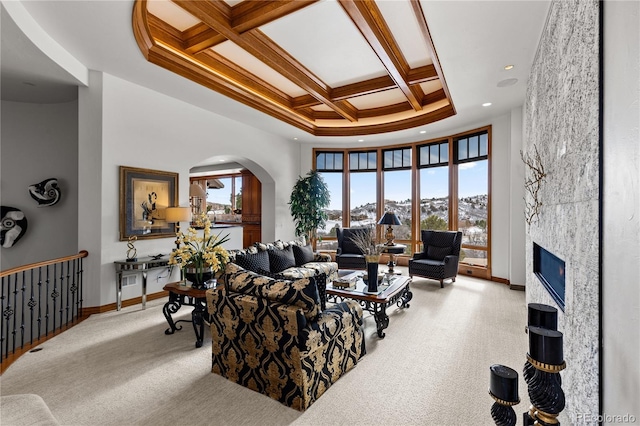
x=119 y=368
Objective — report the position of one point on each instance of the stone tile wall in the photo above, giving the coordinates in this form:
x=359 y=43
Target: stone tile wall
x=561 y=121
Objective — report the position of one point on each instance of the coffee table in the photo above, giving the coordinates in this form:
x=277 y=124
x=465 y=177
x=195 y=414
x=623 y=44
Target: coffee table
x=396 y=290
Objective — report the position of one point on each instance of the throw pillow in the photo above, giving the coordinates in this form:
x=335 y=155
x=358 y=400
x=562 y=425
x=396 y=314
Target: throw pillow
x=253 y=261
x=302 y=292
x=303 y=254
x=279 y=260
x=438 y=253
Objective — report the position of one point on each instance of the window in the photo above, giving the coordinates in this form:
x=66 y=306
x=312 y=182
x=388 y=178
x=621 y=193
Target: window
x=330 y=166
x=473 y=198
x=450 y=191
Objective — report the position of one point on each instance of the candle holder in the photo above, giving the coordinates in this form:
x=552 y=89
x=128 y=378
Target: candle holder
x=503 y=388
x=542 y=374
x=543 y=316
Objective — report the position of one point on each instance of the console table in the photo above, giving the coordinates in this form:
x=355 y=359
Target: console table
x=140 y=266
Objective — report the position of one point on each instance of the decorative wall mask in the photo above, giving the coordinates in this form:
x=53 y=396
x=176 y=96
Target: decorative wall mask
x=12 y=227
x=46 y=193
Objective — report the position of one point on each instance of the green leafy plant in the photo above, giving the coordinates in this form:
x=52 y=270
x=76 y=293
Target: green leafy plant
x=309 y=197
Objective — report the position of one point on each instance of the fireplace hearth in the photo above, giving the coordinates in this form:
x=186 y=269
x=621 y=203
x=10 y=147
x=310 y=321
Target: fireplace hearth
x=550 y=270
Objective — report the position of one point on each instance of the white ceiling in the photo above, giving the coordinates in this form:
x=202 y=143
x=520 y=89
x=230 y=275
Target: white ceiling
x=474 y=40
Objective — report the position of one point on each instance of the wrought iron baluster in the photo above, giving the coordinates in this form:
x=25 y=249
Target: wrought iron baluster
x=3 y=335
x=74 y=290
x=39 y=302
x=61 y=295
x=46 y=329
x=31 y=303
x=80 y=282
x=13 y=313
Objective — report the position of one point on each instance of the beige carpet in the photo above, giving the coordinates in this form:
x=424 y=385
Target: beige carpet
x=119 y=368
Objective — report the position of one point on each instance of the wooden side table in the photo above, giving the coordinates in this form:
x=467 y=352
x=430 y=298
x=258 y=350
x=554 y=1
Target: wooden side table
x=180 y=295
x=393 y=251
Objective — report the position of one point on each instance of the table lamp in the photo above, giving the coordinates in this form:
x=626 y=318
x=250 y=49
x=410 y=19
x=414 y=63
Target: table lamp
x=177 y=215
x=390 y=219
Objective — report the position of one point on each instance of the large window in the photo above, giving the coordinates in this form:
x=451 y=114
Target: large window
x=330 y=166
x=397 y=190
x=434 y=186
x=442 y=184
x=473 y=198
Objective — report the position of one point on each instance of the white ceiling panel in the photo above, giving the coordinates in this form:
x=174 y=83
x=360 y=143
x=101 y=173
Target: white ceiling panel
x=431 y=86
x=402 y=22
x=324 y=40
x=236 y=54
x=172 y=13
x=388 y=97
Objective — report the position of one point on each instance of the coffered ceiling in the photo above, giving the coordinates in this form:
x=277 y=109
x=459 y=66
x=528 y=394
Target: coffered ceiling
x=474 y=40
x=331 y=68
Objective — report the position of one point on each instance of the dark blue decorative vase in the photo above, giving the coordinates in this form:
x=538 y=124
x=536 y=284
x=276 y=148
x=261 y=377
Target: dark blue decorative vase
x=372 y=277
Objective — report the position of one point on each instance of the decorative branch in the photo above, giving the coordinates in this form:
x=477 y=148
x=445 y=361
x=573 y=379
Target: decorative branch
x=533 y=180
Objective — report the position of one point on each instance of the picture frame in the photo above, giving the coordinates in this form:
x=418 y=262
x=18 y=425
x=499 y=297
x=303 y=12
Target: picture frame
x=144 y=196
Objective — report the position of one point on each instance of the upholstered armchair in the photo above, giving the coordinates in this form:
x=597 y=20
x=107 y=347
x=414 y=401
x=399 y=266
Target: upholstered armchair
x=348 y=255
x=439 y=257
x=271 y=336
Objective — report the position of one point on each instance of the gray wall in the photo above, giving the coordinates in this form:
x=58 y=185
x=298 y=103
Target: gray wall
x=621 y=210
x=40 y=141
x=561 y=120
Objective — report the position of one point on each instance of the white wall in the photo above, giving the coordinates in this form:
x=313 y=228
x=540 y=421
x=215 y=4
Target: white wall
x=621 y=210
x=517 y=235
x=503 y=190
x=40 y=141
x=143 y=128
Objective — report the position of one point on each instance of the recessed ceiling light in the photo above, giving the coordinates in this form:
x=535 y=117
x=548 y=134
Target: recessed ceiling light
x=423 y=131
x=222 y=161
x=486 y=104
x=360 y=140
x=295 y=139
x=508 y=67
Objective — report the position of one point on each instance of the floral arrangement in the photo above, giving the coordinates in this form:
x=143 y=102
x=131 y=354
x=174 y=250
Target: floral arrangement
x=200 y=252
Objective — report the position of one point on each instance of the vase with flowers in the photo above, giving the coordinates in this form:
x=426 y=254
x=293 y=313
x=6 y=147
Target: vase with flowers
x=365 y=240
x=200 y=256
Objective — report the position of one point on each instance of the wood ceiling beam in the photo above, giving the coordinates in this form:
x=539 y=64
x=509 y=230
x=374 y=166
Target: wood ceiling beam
x=260 y=46
x=422 y=74
x=426 y=35
x=367 y=17
x=242 y=17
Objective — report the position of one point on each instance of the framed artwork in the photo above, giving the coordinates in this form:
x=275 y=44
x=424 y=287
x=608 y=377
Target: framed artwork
x=144 y=196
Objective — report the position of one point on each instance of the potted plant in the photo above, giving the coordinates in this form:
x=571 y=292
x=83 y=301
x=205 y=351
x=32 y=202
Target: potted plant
x=200 y=257
x=309 y=198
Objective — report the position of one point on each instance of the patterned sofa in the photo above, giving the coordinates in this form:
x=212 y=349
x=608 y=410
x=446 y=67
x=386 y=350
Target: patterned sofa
x=288 y=260
x=271 y=335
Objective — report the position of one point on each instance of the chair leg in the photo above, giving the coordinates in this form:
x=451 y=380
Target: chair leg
x=441 y=283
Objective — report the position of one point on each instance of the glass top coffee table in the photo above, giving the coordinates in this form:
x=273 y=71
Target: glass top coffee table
x=392 y=289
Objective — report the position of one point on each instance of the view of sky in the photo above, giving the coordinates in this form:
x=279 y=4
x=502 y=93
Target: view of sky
x=472 y=180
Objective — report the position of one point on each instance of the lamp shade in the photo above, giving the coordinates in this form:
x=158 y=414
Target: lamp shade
x=178 y=214
x=389 y=218
x=196 y=190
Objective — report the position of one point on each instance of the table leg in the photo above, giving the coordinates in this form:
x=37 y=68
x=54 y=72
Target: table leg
x=406 y=296
x=197 y=318
x=392 y=262
x=118 y=290
x=171 y=307
x=144 y=289
x=381 y=317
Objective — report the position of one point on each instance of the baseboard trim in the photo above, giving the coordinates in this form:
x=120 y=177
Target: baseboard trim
x=129 y=302
x=500 y=280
